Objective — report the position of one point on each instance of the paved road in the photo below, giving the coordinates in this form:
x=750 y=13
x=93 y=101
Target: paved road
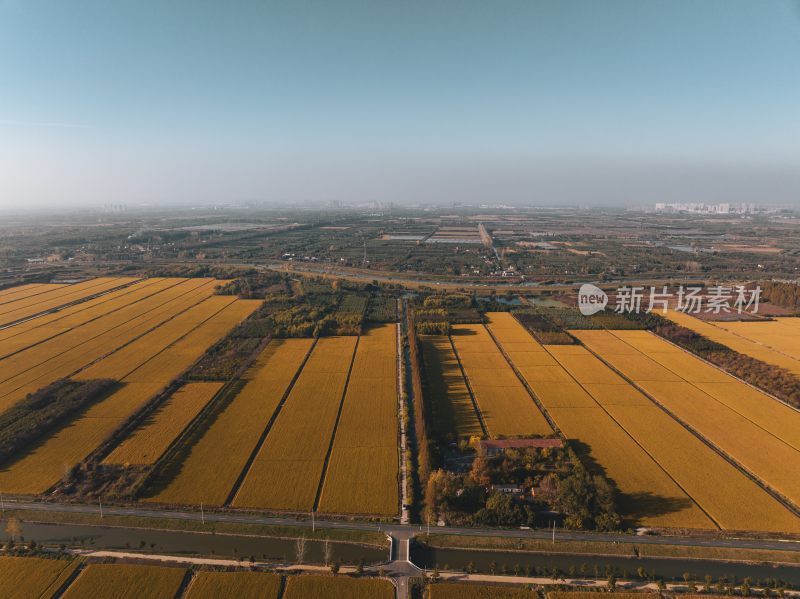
x=407 y=531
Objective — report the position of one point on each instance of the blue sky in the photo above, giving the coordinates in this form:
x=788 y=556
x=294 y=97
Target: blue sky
x=537 y=101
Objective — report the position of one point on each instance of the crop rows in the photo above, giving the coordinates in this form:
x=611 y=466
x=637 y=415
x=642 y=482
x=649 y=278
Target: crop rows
x=126 y=581
x=211 y=466
x=45 y=464
x=234 y=585
x=362 y=472
x=151 y=439
x=454 y=415
x=29 y=306
x=339 y=587
x=12 y=294
x=25 y=577
x=286 y=473
x=754 y=342
x=505 y=405
x=740 y=421
x=473 y=591
x=60 y=357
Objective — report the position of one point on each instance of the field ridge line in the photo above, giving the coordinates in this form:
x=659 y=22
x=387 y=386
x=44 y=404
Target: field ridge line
x=186 y=584
x=60 y=591
x=263 y=437
x=324 y=474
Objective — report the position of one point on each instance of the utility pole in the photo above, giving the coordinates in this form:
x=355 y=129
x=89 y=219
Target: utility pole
x=101 y=509
x=554 y=532
x=202 y=515
x=313 y=523
x=2 y=505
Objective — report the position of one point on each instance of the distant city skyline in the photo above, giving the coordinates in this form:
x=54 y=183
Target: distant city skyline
x=541 y=102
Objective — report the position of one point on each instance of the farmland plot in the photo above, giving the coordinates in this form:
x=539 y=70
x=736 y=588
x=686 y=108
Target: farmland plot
x=763 y=454
x=505 y=404
x=126 y=581
x=25 y=577
x=46 y=327
x=339 y=587
x=212 y=465
x=148 y=442
x=454 y=414
x=45 y=464
x=234 y=585
x=782 y=335
x=30 y=306
x=67 y=354
x=11 y=294
x=475 y=591
x=362 y=473
x=736 y=340
x=286 y=473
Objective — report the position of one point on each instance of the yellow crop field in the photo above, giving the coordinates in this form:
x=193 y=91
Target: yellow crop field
x=735 y=336
x=234 y=585
x=782 y=335
x=12 y=294
x=505 y=405
x=583 y=365
x=40 y=329
x=44 y=465
x=764 y=455
x=562 y=394
x=148 y=442
x=362 y=473
x=339 y=587
x=214 y=462
x=25 y=577
x=68 y=353
x=476 y=591
x=26 y=307
x=454 y=414
x=126 y=581
x=648 y=495
x=734 y=501
x=286 y=473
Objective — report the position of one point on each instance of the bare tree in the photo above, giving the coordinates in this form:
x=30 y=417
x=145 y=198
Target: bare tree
x=300 y=549
x=327 y=552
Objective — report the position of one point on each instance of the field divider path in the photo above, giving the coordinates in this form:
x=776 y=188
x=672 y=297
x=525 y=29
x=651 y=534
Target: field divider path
x=335 y=428
x=474 y=399
x=79 y=324
x=59 y=592
x=774 y=493
x=524 y=381
x=263 y=437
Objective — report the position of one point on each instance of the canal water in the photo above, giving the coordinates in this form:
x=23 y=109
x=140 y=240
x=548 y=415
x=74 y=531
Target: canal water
x=623 y=567
x=197 y=544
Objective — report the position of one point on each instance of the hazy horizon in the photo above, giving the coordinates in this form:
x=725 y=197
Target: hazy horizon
x=575 y=102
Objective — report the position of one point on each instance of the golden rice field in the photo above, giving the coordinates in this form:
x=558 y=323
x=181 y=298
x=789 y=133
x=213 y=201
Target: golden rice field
x=11 y=294
x=728 y=422
x=212 y=464
x=454 y=414
x=339 y=587
x=28 y=306
x=362 y=473
x=192 y=321
x=505 y=404
x=45 y=327
x=743 y=339
x=26 y=577
x=446 y=590
x=782 y=334
x=126 y=581
x=74 y=350
x=152 y=438
x=286 y=473
x=732 y=500
x=234 y=585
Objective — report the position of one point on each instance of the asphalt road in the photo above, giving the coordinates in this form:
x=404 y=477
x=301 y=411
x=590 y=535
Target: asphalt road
x=408 y=531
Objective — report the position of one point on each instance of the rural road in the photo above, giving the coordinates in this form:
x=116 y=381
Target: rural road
x=407 y=530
